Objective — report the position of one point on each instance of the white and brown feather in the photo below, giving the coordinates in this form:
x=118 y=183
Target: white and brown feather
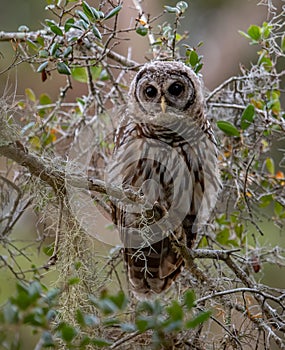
x=161 y=155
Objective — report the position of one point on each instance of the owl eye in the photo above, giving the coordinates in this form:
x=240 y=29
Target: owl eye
x=150 y=91
x=175 y=89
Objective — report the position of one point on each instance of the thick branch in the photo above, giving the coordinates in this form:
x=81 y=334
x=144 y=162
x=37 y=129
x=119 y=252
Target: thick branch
x=36 y=166
x=56 y=177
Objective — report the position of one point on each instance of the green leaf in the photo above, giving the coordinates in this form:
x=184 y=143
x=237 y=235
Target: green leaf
x=96 y=32
x=73 y=280
x=265 y=200
x=35 y=318
x=228 y=128
x=244 y=34
x=68 y=24
x=32 y=45
x=53 y=49
x=254 y=32
x=42 y=67
x=193 y=58
x=89 y=11
x=175 y=311
x=200 y=318
x=48 y=250
x=67 y=332
x=63 y=68
x=189 y=299
x=266 y=30
x=80 y=73
x=55 y=28
x=45 y=99
x=223 y=236
x=265 y=62
x=142 y=30
x=113 y=12
x=142 y=324
x=41 y=40
x=269 y=162
x=67 y=51
x=30 y=94
x=83 y=16
x=247 y=117
x=278 y=209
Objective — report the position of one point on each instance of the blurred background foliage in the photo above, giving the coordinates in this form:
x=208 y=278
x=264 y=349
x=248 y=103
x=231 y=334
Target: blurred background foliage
x=225 y=51
x=215 y=23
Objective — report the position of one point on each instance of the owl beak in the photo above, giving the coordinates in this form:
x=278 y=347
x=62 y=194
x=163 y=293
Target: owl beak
x=163 y=104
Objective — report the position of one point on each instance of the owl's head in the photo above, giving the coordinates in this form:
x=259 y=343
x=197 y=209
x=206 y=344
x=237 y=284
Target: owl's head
x=164 y=87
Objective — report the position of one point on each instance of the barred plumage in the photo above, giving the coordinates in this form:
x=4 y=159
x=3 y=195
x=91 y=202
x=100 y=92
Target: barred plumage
x=165 y=150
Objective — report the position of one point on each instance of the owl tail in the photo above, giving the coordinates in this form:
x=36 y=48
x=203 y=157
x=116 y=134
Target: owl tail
x=151 y=270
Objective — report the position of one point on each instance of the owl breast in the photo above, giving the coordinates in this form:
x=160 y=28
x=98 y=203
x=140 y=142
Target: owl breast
x=163 y=167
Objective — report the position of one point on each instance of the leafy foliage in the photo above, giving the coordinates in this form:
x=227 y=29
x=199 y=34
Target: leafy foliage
x=37 y=307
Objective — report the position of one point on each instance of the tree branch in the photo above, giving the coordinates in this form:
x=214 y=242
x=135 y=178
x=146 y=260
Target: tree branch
x=96 y=46
x=56 y=177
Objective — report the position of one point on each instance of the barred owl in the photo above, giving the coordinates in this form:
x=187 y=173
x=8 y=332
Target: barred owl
x=164 y=151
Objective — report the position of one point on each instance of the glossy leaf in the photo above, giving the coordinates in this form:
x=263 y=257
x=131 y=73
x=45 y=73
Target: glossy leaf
x=228 y=128
x=55 y=29
x=247 y=117
x=142 y=30
x=96 y=32
x=113 y=12
x=42 y=66
x=83 y=16
x=53 y=49
x=88 y=10
x=63 y=68
x=68 y=24
x=67 y=51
